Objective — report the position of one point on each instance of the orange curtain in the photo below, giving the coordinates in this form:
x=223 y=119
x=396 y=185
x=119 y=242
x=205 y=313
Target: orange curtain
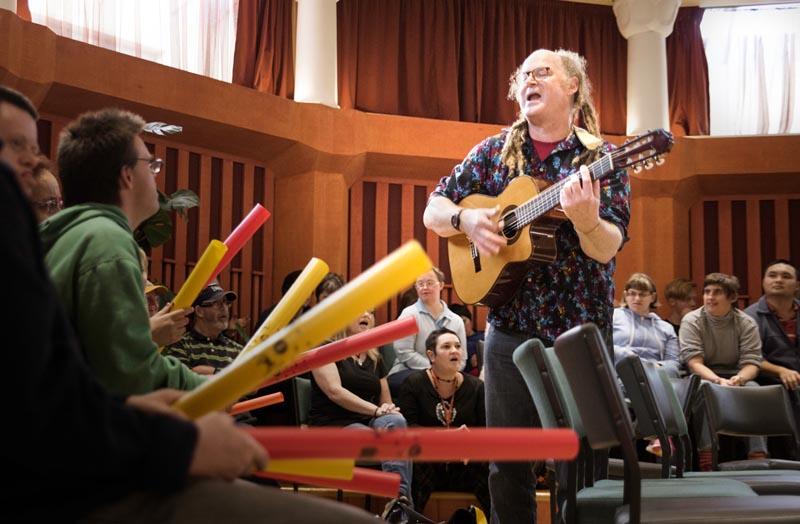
x=451 y=59
x=263 y=57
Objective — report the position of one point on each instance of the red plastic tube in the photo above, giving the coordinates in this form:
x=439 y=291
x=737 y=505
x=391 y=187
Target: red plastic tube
x=239 y=236
x=255 y=403
x=422 y=444
x=340 y=349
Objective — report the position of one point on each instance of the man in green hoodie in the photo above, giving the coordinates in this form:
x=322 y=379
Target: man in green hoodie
x=109 y=188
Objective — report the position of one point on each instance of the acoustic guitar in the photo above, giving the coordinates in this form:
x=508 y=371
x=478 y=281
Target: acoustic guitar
x=530 y=218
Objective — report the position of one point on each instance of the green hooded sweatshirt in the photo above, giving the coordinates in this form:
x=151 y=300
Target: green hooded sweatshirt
x=94 y=262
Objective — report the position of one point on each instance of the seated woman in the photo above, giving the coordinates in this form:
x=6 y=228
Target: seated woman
x=353 y=392
x=639 y=331
x=443 y=396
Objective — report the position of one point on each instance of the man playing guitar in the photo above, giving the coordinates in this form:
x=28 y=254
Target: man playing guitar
x=553 y=94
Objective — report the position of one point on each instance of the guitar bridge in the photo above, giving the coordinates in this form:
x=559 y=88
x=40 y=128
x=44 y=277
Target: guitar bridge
x=476 y=258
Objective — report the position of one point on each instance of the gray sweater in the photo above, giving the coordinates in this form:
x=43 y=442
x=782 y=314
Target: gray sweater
x=726 y=343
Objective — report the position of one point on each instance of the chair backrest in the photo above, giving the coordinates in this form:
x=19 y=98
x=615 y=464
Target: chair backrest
x=389 y=355
x=592 y=379
x=687 y=388
x=748 y=411
x=649 y=418
x=302 y=394
x=479 y=354
x=527 y=358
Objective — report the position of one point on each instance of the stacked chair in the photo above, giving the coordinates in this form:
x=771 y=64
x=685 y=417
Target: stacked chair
x=578 y=372
x=659 y=413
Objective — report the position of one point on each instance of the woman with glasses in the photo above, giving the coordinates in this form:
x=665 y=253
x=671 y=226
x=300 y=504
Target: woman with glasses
x=639 y=331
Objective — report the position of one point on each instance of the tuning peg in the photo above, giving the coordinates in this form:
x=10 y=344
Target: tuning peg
x=648 y=164
x=637 y=168
x=659 y=160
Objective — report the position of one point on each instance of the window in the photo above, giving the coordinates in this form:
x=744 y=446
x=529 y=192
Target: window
x=198 y=37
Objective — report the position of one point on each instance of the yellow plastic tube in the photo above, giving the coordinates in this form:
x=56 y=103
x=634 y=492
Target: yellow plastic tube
x=324 y=468
x=199 y=275
x=373 y=287
x=290 y=303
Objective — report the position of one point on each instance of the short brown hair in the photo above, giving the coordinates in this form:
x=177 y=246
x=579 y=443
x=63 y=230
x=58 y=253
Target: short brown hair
x=642 y=282
x=729 y=283
x=679 y=289
x=91 y=152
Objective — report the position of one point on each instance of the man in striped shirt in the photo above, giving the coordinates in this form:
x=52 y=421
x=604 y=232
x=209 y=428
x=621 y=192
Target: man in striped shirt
x=205 y=348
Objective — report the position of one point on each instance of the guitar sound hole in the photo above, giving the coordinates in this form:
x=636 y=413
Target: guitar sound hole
x=510 y=230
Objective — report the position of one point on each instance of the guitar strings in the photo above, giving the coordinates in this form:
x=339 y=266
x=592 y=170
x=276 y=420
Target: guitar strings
x=549 y=198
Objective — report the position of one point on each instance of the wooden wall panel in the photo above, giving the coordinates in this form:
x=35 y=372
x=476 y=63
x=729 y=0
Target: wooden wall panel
x=752 y=230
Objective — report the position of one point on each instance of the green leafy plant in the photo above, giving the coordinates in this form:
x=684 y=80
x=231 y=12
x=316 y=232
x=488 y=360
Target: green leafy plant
x=157 y=229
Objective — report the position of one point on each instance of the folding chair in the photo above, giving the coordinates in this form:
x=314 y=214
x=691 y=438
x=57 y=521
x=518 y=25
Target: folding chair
x=592 y=380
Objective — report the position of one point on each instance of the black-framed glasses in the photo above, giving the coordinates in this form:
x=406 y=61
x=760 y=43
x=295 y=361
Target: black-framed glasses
x=153 y=163
x=539 y=73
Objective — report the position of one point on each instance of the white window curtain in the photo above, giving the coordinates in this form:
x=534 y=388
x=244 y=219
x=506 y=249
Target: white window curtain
x=753 y=60
x=196 y=36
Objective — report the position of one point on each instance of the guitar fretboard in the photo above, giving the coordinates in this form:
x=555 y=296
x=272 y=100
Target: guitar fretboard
x=549 y=198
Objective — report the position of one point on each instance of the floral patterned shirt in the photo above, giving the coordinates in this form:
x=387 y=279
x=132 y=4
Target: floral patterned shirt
x=574 y=289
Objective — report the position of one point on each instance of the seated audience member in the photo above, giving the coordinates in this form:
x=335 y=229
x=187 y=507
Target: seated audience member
x=329 y=285
x=166 y=327
x=204 y=348
x=288 y=281
x=119 y=459
x=430 y=312
x=353 y=393
x=639 y=331
x=777 y=314
x=442 y=396
x=408 y=298
x=45 y=191
x=18 y=131
x=720 y=343
x=473 y=337
x=108 y=182
x=681 y=295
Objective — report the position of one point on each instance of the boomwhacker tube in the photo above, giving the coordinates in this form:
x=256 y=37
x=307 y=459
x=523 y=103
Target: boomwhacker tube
x=255 y=403
x=336 y=351
x=376 y=285
x=364 y=480
x=422 y=444
x=289 y=304
x=239 y=236
x=199 y=276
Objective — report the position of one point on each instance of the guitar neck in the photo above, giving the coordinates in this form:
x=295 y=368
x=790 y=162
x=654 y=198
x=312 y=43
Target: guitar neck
x=550 y=197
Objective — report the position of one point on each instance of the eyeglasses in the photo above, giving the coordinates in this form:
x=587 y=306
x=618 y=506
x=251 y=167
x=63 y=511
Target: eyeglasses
x=20 y=145
x=426 y=283
x=539 y=73
x=153 y=163
x=219 y=304
x=50 y=206
x=642 y=294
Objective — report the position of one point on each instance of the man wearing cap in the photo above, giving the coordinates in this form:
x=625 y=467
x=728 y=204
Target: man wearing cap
x=205 y=348
x=108 y=179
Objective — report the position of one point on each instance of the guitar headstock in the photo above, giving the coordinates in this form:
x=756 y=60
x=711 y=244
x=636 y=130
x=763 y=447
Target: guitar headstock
x=643 y=151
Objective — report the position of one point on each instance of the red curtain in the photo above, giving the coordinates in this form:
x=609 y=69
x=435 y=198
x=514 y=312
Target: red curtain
x=451 y=59
x=263 y=58
x=687 y=72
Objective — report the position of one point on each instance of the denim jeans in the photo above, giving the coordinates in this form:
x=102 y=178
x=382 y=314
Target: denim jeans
x=512 y=485
x=401 y=467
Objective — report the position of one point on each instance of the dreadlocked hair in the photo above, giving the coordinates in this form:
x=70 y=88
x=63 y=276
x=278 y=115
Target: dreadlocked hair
x=575 y=66
x=511 y=155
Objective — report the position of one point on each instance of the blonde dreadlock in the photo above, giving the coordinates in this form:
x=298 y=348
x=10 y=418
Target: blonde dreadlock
x=575 y=66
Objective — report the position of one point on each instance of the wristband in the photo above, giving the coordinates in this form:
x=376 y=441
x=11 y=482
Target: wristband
x=375 y=413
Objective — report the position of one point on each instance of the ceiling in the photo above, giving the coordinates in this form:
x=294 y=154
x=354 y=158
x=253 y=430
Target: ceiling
x=702 y=3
